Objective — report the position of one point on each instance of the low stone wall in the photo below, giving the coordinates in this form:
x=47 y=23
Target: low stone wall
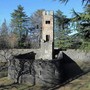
x=40 y=53
x=6 y=54
x=77 y=55
x=73 y=54
x=81 y=58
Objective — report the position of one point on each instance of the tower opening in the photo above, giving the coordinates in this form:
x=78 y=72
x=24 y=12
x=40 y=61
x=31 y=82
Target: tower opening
x=47 y=38
x=37 y=26
x=47 y=22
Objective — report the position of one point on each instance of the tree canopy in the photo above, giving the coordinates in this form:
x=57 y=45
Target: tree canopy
x=62 y=30
x=25 y=31
x=83 y=26
x=19 y=23
x=83 y=1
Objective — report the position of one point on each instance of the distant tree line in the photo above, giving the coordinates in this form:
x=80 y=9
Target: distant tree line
x=79 y=23
x=25 y=31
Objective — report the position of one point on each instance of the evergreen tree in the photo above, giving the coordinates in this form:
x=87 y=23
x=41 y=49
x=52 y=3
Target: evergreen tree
x=19 y=23
x=83 y=26
x=4 y=36
x=83 y=1
x=62 y=30
x=4 y=29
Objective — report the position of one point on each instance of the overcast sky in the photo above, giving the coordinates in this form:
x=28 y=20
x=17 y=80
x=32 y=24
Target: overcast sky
x=30 y=6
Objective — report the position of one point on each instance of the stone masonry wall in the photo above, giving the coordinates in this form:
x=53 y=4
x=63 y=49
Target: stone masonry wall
x=6 y=54
x=77 y=55
x=73 y=54
x=44 y=72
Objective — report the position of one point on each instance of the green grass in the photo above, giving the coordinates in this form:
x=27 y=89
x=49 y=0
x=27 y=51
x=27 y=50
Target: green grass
x=6 y=84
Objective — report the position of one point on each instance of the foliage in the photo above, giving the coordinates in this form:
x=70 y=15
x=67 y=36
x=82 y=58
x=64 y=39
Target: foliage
x=4 y=36
x=23 y=32
x=13 y=40
x=26 y=29
x=62 y=30
x=19 y=22
x=76 y=41
x=7 y=38
x=85 y=46
x=83 y=1
x=83 y=26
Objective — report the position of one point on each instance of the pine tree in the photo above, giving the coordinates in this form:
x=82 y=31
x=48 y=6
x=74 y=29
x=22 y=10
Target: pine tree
x=19 y=23
x=83 y=26
x=4 y=29
x=4 y=35
x=61 y=30
x=83 y=1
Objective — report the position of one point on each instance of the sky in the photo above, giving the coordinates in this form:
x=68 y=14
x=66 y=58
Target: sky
x=30 y=6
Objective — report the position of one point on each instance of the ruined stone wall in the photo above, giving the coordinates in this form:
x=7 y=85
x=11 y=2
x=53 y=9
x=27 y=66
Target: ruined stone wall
x=52 y=72
x=6 y=54
x=44 y=53
x=44 y=72
x=73 y=54
x=77 y=55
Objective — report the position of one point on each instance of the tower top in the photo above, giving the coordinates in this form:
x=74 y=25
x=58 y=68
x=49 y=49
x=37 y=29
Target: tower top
x=48 y=12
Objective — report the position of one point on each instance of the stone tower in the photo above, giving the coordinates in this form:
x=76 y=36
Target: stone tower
x=47 y=35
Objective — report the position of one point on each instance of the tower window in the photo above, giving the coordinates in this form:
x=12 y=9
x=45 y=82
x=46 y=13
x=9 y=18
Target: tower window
x=37 y=26
x=47 y=37
x=40 y=72
x=47 y=22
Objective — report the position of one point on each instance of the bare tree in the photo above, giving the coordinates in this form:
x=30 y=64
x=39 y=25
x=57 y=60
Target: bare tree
x=22 y=64
x=36 y=23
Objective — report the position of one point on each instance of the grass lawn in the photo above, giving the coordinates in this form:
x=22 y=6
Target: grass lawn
x=6 y=84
